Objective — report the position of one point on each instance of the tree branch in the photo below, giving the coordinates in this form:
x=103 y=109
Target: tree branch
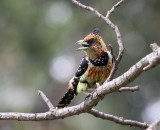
x=114 y=7
x=146 y=63
x=95 y=96
x=111 y=50
x=155 y=125
x=118 y=120
x=153 y=62
x=46 y=100
x=132 y=89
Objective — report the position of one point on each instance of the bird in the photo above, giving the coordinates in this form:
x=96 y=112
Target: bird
x=94 y=68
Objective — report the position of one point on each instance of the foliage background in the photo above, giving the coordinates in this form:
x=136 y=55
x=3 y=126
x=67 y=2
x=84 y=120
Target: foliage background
x=37 y=52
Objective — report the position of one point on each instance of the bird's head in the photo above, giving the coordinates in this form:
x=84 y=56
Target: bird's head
x=93 y=44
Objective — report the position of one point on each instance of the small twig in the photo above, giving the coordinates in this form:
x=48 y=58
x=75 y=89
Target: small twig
x=115 y=64
x=154 y=47
x=111 y=50
x=115 y=28
x=154 y=62
x=116 y=119
x=46 y=100
x=155 y=125
x=114 y=68
x=113 y=8
x=132 y=89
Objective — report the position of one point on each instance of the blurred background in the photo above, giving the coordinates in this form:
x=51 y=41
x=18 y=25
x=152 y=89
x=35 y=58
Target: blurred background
x=37 y=52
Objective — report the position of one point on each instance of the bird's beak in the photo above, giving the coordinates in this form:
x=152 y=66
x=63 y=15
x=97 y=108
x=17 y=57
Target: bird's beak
x=84 y=45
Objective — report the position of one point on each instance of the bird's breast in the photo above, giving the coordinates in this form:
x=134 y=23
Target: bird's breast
x=98 y=74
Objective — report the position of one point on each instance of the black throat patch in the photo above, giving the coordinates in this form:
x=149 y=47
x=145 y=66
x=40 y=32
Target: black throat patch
x=100 y=60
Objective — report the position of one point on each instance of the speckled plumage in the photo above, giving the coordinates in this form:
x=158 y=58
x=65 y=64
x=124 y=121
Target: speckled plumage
x=95 y=67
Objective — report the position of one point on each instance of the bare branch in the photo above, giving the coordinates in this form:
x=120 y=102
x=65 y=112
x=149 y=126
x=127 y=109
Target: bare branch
x=154 y=47
x=46 y=100
x=146 y=63
x=155 y=125
x=114 y=68
x=25 y=116
x=119 y=40
x=89 y=9
x=111 y=50
x=115 y=64
x=95 y=97
x=118 y=120
x=113 y=8
x=50 y=116
x=132 y=89
x=153 y=62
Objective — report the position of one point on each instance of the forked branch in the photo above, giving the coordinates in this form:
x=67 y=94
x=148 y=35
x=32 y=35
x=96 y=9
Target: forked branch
x=115 y=85
x=119 y=120
x=87 y=105
x=113 y=26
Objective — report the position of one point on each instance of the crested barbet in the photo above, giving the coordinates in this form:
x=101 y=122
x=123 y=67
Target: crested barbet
x=94 y=68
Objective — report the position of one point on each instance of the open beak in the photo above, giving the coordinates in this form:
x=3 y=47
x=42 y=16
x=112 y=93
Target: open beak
x=84 y=45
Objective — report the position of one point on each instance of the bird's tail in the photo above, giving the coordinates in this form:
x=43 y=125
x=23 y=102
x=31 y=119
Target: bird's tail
x=66 y=99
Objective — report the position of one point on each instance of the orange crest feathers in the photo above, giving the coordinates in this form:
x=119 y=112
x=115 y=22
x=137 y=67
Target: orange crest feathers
x=95 y=35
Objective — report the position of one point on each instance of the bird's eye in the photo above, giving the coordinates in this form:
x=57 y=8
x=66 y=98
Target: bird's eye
x=90 y=41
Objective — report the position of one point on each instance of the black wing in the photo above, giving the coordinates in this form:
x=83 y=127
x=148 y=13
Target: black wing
x=80 y=71
x=66 y=99
x=82 y=67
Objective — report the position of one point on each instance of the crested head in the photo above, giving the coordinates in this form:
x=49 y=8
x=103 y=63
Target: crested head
x=93 y=44
x=96 y=31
